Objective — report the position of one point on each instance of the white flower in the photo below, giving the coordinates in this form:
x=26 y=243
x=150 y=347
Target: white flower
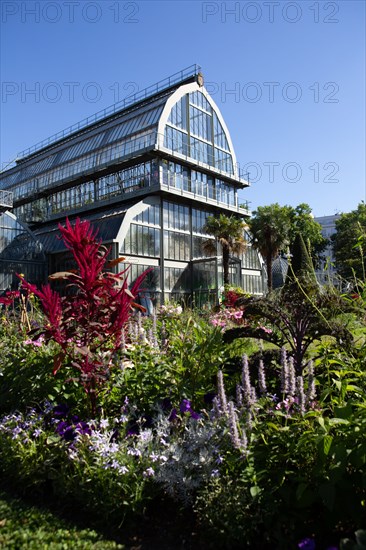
x=127 y=364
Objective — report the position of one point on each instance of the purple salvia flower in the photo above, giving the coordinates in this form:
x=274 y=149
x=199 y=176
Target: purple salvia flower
x=291 y=377
x=164 y=338
x=239 y=396
x=150 y=337
x=133 y=331
x=130 y=328
x=284 y=371
x=243 y=441
x=262 y=378
x=246 y=385
x=216 y=407
x=311 y=391
x=221 y=392
x=300 y=393
x=233 y=425
x=253 y=396
x=139 y=323
x=154 y=329
x=249 y=420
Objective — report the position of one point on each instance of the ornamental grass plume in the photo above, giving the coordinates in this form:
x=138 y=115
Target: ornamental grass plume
x=90 y=321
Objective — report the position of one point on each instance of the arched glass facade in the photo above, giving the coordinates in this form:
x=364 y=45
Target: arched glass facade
x=194 y=130
x=20 y=252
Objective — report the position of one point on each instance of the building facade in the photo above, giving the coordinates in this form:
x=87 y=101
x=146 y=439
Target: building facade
x=326 y=272
x=146 y=172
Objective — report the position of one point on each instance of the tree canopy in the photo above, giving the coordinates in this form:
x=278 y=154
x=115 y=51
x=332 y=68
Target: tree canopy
x=303 y=223
x=274 y=229
x=229 y=233
x=349 y=243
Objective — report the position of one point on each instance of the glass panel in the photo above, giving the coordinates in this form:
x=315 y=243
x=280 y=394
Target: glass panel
x=197 y=98
x=204 y=275
x=219 y=134
x=177 y=279
x=201 y=151
x=178 y=114
x=176 y=140
x=200 y=124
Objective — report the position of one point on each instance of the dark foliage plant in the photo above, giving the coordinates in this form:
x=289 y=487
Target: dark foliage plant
x=300 y=313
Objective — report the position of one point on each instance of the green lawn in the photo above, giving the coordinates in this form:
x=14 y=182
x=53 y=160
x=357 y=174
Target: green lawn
x=30 y=527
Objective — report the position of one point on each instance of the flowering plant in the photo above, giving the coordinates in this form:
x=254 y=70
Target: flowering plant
x=170 y=310
x=88 y=324
x=231 y=294
x=228 y=317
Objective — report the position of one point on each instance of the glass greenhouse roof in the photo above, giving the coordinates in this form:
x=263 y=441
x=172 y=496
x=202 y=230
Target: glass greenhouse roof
x=108 y=225
x=193 y=129
x=169 y=82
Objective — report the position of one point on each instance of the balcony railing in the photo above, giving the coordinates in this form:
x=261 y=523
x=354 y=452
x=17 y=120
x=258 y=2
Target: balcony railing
x=6 y=200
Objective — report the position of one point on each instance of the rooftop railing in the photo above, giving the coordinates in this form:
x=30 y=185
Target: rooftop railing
x=164 y=84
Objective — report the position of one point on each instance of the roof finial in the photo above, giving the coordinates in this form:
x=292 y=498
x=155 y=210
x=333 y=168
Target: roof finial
x=200 y=79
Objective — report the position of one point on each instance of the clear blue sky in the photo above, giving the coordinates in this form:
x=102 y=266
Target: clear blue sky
x=288 y=77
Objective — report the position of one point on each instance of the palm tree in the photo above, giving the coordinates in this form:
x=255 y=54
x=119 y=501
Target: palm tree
x=270 y=229
x=229 y=233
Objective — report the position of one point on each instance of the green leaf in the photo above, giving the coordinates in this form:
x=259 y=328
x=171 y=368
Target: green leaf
x=327 y=443
x=321 y=421
x=273 y=426
x=255 y=491
x=52 y=439
x=336 y=421
x=351 y=387
x=343 y=412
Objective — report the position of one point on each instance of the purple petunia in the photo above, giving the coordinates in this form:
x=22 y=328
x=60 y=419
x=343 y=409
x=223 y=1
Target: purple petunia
x=60 y=411
x=307 y=544
x=173 y=415
x=185 y=406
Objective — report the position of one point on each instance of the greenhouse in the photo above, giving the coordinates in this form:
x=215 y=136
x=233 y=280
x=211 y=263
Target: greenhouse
x=147 y=172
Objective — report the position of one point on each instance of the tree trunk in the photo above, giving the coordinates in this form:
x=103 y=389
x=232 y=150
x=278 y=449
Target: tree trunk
x=225 y=264
x=269 y=271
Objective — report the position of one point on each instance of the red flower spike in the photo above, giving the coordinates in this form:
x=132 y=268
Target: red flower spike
x=90 y=321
